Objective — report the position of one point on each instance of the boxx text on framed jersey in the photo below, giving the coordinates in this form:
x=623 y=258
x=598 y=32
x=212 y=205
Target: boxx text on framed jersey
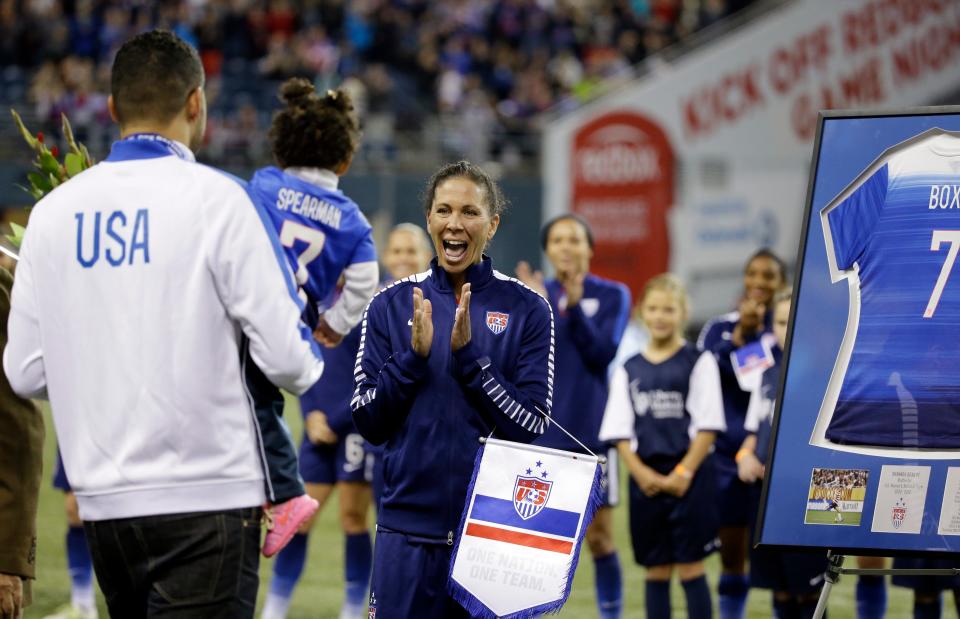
x=865 y=445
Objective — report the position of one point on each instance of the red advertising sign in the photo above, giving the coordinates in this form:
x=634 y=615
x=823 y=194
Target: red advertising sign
x=623 y=184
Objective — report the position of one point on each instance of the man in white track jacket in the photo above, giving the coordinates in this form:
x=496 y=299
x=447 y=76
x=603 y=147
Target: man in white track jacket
x=143 y=286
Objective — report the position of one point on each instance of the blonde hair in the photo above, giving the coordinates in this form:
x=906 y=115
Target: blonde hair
x=418 y=233
x=668 y=282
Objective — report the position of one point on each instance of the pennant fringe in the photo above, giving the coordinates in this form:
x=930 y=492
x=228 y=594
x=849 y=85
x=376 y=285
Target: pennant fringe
x=476 y=608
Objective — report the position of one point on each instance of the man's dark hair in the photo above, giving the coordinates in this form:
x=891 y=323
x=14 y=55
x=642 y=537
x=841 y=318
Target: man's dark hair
x=313 y=131
x=545 y=230
x=152 y=76
x=496 y=203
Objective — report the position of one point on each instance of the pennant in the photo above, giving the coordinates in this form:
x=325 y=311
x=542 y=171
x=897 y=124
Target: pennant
x=519 y=540
x=751 y=360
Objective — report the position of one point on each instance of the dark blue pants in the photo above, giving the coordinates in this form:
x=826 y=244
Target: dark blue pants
x=410 y=578
x=187 y=566
x=279 y=452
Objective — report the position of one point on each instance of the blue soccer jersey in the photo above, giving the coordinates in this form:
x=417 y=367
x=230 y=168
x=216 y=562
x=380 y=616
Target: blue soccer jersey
x=896 y=235
x=322 y=230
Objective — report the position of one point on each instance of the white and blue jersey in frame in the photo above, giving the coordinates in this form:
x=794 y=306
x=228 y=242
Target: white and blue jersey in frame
x=894 y=235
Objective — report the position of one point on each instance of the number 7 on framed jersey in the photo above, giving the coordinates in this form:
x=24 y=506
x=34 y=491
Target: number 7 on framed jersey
x=942 y=236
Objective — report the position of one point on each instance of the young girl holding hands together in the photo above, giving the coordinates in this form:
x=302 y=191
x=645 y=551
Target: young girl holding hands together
x=664 y=411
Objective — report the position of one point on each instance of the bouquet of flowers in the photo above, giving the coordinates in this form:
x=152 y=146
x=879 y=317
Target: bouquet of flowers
x=50 y=171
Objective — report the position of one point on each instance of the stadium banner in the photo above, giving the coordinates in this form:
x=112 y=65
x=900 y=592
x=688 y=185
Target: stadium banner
x=866 y=433
x=623 y=170
x=519 y=540
x=739 y=113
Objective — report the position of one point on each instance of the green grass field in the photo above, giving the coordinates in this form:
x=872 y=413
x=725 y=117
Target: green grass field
x=320 y=591
x=816 y=516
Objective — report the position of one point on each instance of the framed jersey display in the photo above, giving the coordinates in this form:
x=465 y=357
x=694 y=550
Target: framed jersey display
x=866 y=431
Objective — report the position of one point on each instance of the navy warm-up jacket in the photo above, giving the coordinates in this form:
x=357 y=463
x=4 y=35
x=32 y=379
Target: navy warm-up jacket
x=431 y=412
x=588 y=335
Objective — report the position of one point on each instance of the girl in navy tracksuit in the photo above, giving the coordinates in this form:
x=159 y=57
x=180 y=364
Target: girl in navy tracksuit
x=446 y=357
x=664 y=411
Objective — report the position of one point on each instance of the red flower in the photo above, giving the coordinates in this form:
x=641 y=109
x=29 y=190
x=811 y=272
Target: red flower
x=55 y=152
x=40 y=136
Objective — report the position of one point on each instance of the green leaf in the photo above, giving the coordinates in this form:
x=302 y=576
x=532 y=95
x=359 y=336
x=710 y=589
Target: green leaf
x=32 y=141
x=68 y=133
x=17 y=237
x=48 y=163
x=54 y=181
x=35 y=193
x=39 y=182
x=74 y=164
x=88 y=160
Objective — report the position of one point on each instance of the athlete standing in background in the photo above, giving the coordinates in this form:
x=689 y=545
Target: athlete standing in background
x=323 y=234
x=763 y=276
x=590 y=314
x=333 y=454
x=928 y=590
x=83 y=603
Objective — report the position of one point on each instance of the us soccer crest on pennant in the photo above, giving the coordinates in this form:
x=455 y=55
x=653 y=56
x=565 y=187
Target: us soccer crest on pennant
x=531 y=491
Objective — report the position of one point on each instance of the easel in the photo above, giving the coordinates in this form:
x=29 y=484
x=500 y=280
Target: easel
x=835 y=569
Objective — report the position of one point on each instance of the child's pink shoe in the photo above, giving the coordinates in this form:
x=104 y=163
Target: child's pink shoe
x=284 y=520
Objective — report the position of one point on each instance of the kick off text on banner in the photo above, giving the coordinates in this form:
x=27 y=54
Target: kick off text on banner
x=797 y=69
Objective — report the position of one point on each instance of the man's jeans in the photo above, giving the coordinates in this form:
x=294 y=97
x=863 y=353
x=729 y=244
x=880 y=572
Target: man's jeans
x=178 y=565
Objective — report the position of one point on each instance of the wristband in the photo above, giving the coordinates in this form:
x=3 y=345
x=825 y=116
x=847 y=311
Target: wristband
x=742 y=454
x=683 y=472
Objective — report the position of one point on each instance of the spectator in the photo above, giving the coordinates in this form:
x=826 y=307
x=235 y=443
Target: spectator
x=427 y=49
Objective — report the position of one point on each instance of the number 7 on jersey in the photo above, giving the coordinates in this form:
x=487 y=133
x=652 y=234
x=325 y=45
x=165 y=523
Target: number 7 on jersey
x=293 y=231
x=942 y=236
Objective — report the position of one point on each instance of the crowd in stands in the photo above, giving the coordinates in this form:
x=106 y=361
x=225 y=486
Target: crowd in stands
x=848 y=478
x=472 y=77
